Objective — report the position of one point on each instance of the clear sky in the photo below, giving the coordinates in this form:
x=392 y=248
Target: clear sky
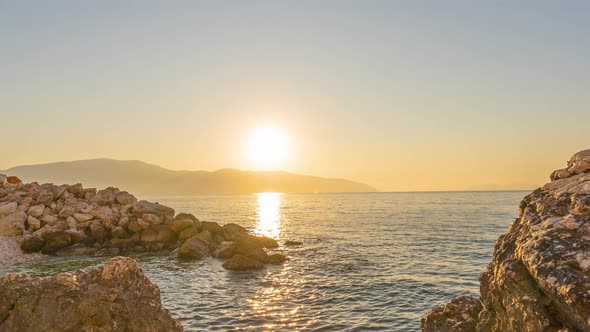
x=412 y=95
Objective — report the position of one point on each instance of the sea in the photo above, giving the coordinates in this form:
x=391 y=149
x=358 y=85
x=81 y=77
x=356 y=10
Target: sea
x=367 y=262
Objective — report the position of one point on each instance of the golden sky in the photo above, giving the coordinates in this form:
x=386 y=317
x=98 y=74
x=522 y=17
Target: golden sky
x=438 y=97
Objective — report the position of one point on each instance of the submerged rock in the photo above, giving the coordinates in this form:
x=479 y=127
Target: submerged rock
x=241 y=262
x=114 y=297
x=539 y=279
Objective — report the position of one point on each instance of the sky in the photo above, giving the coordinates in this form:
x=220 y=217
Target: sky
x=402 y=95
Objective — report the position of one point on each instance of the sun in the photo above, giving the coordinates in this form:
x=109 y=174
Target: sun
x=267 y=148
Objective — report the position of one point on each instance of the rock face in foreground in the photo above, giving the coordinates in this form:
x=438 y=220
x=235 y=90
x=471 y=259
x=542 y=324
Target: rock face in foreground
x=68 y=220
x=114 y=297
x=539 y=279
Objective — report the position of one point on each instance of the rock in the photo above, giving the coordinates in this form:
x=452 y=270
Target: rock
x=31 y=243
x=55 y=240
x=119 y=232
x=13 y=180
x=76 y=236
x=151 y=219
x=8 y=208
x=234 y=231
x=178 y=225
x=460 y=315
x=100 y=212
x=143 y=224
x=45 y=197
x=49 y=219
x=104 y=197
x=97 y=231
x=166 y=235
x=79 y=249
x=82 y=217
x=134 y=227
x=115 y=297
x=76 y=188
x=293 y=243
x=125 y=198
x=149 y=235
x=113 y=251
x=13 y=224
x=34 y=223
x=142 y=207
x=196 y=247
x=249 y=247
x=2 y=180
x=240 y=262
x=224 y=250
x=186 y=216
x=276 y=259
x=539 y=278
x=36 y=210
x=212 y=227
x=187 y=233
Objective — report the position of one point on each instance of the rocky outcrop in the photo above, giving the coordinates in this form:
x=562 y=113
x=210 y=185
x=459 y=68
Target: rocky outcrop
x=114 y=297
x=539 y=279
x=70 y=220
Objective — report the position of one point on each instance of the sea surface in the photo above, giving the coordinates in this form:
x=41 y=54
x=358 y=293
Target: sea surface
x=369 y=262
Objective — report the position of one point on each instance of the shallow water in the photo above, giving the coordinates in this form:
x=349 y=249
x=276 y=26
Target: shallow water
x=370 y=262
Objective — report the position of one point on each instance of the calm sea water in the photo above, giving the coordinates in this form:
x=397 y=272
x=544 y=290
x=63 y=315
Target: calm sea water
x=370 y=262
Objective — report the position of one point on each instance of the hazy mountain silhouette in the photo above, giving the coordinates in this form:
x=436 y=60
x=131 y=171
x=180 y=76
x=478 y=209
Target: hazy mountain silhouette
x=147 y=179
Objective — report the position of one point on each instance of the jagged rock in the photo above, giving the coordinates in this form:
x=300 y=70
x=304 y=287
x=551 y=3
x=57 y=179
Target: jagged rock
x=186 y=216
x=241 y=262
x=12 y=224
x=539 y=278
x=114 y=297
x=76 y=236
x=151 y=219
x=55 y=240
x=82 y=217
x=459 y=315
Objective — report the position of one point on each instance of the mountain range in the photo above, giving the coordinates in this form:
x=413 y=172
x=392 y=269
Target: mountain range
x=146 y=179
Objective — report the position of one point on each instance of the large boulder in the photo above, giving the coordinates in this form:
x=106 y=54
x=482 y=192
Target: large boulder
x=114 y=297
x=539 y=278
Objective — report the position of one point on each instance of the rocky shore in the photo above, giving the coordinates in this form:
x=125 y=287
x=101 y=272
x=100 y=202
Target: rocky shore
x=66 y=220
x=539 y=278
x=114 y=297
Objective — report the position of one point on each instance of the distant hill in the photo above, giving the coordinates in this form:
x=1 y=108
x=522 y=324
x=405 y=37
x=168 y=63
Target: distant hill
x=146 y=179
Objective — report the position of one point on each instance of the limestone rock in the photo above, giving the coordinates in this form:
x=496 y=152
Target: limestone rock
x=539 y=278
x=114 y=297
x=8 y=208
x=143 y=207
x=196 y=247
x=225 y=250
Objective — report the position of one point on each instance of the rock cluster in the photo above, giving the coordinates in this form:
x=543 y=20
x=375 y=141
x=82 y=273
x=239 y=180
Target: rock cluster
x=114 y=297
x=69 y=220
x=539 y=279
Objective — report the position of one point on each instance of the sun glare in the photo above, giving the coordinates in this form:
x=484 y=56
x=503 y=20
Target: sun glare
x=267 y=148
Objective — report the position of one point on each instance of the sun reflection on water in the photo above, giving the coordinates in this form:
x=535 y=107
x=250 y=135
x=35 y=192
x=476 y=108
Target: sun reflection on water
x=268 y=214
